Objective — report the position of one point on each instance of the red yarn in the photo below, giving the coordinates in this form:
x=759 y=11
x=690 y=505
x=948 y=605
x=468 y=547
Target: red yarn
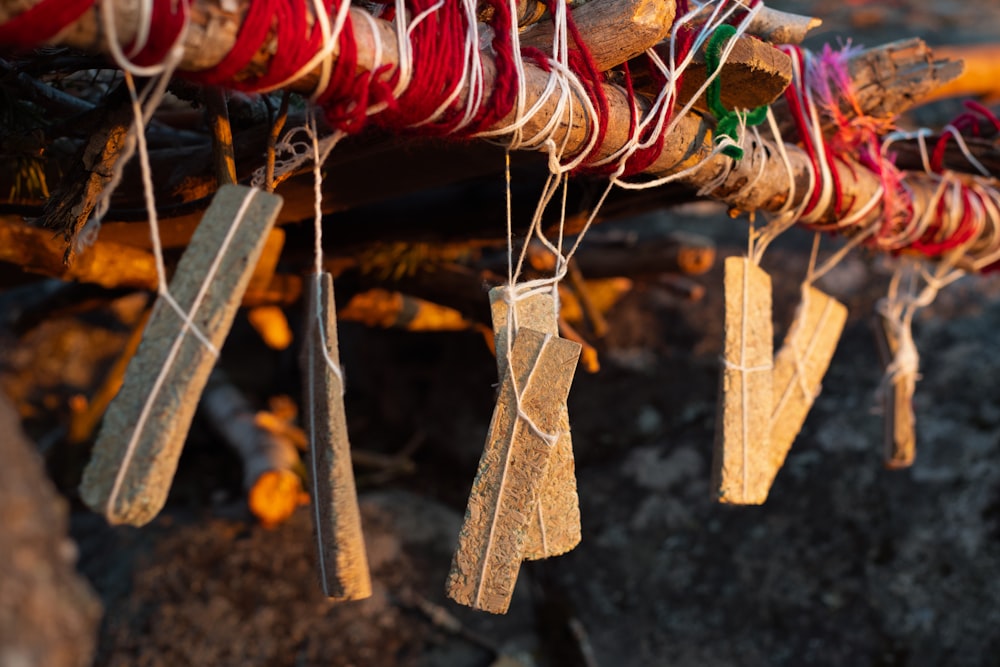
x=504 y=95
x=41 y=23
x=583 y=65
x=438 y=41
x=254 y=30
x=968 y=122
x=345 y=101
x=797 y=106
x=167 y=23
x=962 y=234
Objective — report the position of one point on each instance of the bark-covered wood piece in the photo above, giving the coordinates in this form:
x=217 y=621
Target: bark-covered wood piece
x=513 y=466
x=799 y=368
x=755 y=74
x=105 y=263
x=687 y=145
x=554 y=526
x=137 y=450
x=343 y=563
x=91 y=172
x=739 y=469
x=604 y=23
x=48 y=613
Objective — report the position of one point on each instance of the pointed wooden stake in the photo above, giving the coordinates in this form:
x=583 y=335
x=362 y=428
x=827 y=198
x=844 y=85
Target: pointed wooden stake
x=343 y=562
x=799 y=368
x=744 y=413
x=136 y=453
x=554 y=527
x=511 y=470
x=896 y=392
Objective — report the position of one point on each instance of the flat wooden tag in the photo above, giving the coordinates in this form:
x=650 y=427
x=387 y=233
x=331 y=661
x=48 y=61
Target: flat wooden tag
x=896 y=394
x=511 y=471
x=745 y=390
x=554 y=527
x=799 y=368
x=343 y=562
x=136 y=453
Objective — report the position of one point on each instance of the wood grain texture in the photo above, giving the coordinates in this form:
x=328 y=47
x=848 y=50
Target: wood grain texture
x=511 y=470
x=605 y=25
x=136 y=453
x=744 y=413
x=554 y=527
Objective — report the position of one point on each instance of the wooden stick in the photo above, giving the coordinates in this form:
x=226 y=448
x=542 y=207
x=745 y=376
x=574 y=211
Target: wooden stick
x=604 y=22
x=263 y=273
x=778 y=27
x=137 y=450
x=554 y=526
x=106 y=264
x=594 y=316
x=274 y=489
x=223 y=154
x=343 y=563
x=896 y=393
x=755 y=74
x=90 y=172
x=689 y=144
x=382 y=308
x=799 y=368
x=745 y=388
x=514 y=462
x=271 y=325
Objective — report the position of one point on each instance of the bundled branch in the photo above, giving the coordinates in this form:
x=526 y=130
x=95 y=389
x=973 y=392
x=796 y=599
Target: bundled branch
x=778 y=185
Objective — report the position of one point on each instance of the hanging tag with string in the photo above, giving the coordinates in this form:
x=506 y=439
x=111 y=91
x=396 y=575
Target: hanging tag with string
x=529 y=426
x=745 y=388
x=138 y=448
x=341 y=554
x=898 y=351
x=803 y=360
x=554 y=525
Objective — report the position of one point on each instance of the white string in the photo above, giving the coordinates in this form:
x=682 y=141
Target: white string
x=319 y=157
x=324 y=56
x=175 y=347
x=672 y=71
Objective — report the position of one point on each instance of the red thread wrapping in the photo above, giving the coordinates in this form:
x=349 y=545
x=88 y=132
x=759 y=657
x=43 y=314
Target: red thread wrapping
x=966 y=123
x=168 y=21
x=249 y=40
x=295 y=43
x=350 y=92
x=41 y=23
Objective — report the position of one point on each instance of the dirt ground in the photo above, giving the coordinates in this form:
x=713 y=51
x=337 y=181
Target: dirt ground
x=846 y=564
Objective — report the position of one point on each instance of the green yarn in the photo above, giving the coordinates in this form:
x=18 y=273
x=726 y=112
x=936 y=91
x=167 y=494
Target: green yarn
x=727 y=120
